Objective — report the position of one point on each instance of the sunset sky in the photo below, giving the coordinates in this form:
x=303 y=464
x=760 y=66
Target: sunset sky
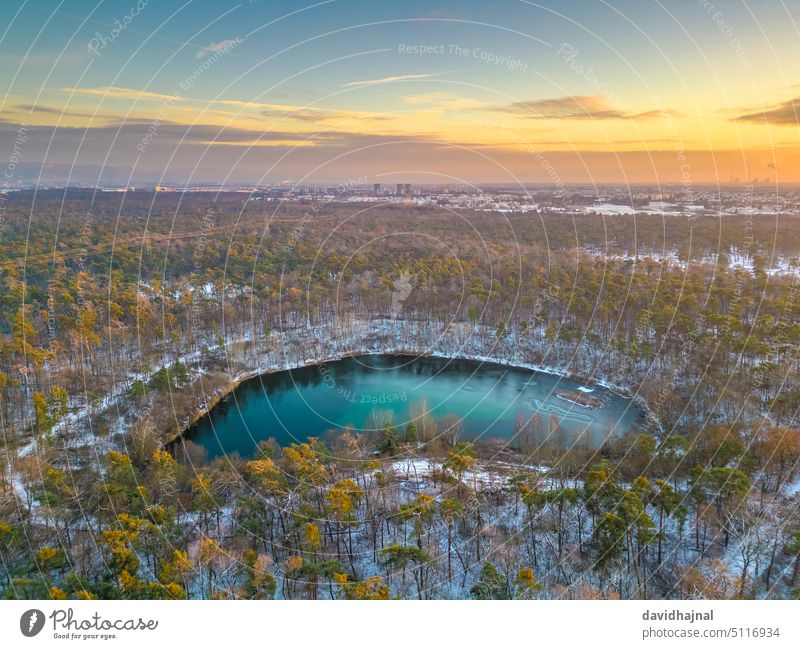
x=442 y=92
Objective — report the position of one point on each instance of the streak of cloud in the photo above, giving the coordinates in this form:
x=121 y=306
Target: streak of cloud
x=115 y=92
x=787 y=114
x=219 y=46
x=578 y=107
x=375 y=82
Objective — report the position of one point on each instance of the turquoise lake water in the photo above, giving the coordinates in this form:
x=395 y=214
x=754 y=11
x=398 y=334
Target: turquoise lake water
x=486 y=401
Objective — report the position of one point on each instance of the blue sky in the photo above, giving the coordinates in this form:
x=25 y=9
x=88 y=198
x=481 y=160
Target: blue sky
x=635 y=77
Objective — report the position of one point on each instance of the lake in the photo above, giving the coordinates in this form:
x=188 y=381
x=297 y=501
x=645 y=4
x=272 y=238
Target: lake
x=477 y=401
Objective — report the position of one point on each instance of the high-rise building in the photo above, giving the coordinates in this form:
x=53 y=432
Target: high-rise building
x=407 y=189
x=398 y=190
x=376 y=189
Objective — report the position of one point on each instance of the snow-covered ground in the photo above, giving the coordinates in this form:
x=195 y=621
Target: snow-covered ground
x=736 y=259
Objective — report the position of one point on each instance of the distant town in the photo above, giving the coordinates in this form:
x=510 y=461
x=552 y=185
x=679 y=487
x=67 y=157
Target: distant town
x=754 y=197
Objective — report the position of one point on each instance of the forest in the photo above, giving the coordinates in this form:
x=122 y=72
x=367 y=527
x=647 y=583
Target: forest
x=124 y=316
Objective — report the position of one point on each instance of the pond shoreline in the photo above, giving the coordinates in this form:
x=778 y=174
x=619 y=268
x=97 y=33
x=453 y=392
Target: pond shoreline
x=231 y=386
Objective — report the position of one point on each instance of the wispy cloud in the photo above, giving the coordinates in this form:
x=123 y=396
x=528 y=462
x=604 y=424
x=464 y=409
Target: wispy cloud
x=301 y=114
x=574 y=107
x=446 y=99
x=277 y=110
x=124 y=136
x=50 y=110
x=219 y=46
x=115 y=92
x=787 y=113
x=375 y=82
x=652 y=114
x=578 y=107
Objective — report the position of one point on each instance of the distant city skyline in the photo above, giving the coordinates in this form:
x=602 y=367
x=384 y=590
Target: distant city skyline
x=453 y=92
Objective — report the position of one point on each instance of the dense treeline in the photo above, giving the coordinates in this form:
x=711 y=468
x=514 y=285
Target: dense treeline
x=103 y=294
x=339 y=521
x=122 y=314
